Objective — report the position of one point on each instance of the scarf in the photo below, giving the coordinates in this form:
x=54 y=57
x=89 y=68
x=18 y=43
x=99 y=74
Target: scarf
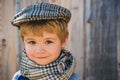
x=61 y=69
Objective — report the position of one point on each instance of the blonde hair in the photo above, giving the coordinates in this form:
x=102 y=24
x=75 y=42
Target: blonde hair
x=38 y=27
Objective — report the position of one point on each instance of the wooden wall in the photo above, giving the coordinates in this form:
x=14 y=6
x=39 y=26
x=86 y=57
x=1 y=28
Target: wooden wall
x=7 y=41
x=118 y=40
x=79 y=39
x=102 y=48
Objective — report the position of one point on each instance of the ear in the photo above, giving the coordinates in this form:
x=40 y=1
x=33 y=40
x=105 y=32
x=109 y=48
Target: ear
x=64 y=43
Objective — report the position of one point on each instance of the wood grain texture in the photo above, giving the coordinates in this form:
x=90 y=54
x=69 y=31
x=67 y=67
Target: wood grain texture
x=118 y=24
x=94 y=44
x=102 y=57
x=7 y=41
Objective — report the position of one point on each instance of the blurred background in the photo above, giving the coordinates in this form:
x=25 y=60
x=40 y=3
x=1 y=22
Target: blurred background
x=94 y=37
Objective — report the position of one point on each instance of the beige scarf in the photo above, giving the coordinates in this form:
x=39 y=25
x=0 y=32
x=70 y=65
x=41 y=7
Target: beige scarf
x=61 y=69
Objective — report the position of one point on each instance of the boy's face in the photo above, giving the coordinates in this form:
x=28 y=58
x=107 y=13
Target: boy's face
x=43 y=49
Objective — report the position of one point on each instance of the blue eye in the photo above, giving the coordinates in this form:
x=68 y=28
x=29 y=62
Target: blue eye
x=32 y=42
x=48 y=42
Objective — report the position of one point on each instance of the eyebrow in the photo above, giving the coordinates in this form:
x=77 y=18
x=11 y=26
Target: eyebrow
x=44 y=39
x=50 y=39
x=28 y=39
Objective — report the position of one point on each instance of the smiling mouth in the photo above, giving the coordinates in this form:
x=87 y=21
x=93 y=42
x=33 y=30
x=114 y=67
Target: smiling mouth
x=42 y=57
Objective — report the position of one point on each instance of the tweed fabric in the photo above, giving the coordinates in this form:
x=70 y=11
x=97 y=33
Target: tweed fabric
x=41 y=11
x=61 y=69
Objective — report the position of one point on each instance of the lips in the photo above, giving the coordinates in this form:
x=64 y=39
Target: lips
x=44 y=57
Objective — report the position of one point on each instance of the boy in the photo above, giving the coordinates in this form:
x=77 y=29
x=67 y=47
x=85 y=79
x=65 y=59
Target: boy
x=43 y=29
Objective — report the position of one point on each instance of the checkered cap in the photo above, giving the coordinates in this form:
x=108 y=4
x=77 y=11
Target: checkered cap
x=41 y=11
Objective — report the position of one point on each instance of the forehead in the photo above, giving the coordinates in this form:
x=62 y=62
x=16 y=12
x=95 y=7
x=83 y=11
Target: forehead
x=40 y=33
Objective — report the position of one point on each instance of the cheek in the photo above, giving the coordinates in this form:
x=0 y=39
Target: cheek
x=29 y=50
x=54 y=48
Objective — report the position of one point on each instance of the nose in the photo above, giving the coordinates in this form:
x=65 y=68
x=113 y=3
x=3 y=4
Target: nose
x=40 y=48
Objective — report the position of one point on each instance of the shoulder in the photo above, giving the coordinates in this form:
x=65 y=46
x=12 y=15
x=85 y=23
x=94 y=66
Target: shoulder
x=18 y=76
x=74 y=76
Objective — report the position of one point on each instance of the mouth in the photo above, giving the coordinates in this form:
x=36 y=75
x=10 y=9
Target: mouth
x=42 y=57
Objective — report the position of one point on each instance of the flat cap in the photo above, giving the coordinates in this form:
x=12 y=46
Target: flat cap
x=41 y=11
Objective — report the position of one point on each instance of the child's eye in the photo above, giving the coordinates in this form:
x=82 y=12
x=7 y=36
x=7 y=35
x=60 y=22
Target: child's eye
x=48 y=42
x=32 y=42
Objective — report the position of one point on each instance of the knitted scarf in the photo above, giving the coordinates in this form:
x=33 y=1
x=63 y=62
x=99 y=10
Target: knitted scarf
x=61 y=69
